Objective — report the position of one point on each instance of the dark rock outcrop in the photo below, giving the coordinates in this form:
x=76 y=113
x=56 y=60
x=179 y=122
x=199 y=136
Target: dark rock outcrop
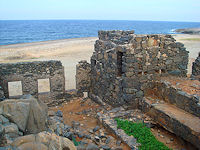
x=189 y=31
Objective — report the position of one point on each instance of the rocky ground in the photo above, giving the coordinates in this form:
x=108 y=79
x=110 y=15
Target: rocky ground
x=81 y=116
x=74 y=124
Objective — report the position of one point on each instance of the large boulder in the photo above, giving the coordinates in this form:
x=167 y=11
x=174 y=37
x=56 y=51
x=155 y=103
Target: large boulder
x=44 y=141
x=29 y=114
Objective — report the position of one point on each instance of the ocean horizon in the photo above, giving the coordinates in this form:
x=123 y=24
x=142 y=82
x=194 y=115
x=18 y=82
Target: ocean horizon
x=27 y=31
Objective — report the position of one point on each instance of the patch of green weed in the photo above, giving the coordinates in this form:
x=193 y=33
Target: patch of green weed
x=143 y=135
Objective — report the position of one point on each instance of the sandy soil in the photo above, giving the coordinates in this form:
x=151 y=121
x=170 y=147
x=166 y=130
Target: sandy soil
x=193 y=46
x=70 y=51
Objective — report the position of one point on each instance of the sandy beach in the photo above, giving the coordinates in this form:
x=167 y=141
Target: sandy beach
x=71 y=51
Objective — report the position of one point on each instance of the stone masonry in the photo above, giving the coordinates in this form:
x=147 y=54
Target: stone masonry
x=2 y=97
x=29 y=73
x=123 y=61
x=83 y=76
x=196 y=68
x=128 y=70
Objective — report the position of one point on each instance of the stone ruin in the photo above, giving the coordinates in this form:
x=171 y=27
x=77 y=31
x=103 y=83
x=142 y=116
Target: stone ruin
x=123 y=62
x=130 y=70
x=196 y=68
x=28 y=74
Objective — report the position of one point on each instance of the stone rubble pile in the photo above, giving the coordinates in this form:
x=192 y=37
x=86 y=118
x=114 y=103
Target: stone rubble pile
x=24 y=123
x=96 y=138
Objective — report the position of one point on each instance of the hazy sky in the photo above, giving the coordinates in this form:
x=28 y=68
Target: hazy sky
x=160 y=10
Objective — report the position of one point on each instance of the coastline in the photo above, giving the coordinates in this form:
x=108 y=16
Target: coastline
x=45 y=42
x=71 y=51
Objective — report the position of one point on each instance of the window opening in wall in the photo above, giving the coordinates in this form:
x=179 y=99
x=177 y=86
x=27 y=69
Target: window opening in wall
x=119 y=63
x=43 y=85
x=15 y=89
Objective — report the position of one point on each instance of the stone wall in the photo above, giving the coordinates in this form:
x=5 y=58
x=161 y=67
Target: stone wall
x=29 y=73
x=123 y=61
x=196 y=68
x=2 y=97
x=164 y=91
x=83 y=76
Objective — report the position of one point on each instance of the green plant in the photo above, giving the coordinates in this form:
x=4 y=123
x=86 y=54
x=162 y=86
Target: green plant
x=74 y=141
x=143 y=135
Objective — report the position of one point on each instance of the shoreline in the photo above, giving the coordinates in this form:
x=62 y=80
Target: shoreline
x=71 y=51
x=45 y=42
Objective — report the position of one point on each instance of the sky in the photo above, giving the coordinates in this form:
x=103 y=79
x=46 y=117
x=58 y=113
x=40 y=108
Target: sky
x=154 y=10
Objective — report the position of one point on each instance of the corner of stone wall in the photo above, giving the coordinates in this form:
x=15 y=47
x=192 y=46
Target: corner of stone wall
x=196 y=68
x=83 y=69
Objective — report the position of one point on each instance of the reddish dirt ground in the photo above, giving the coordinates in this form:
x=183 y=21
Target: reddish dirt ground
x=187 y=85
x=71 y=112
x=88 y=121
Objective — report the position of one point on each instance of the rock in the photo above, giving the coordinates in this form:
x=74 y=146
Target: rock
x=175 y=72
x=81 y=147
x=117 y=148
x=2 y=96
x=7 y=148
x=189 y=31
x=108 y=140
x=96 y=128
x=3 y=120
x=105 y=147
x=92 y=147
x=51 y=113
x=149 y=125
x=37 y=117
x=43 y=141
x=118 y=143
x=2 y=136
x=17 y=111
x=75 y=124
x=87 y=136
x=59 y=113
x=97 y=139
x=68 y=135
x=11 y=130
x=29 y=115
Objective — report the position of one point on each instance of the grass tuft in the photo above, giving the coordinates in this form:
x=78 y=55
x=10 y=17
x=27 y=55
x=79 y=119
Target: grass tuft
x=142 y=134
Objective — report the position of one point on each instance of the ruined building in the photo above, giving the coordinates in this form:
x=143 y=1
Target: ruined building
x=146 y=72
x=28 y=75
x=138 y=71
x=123 y=62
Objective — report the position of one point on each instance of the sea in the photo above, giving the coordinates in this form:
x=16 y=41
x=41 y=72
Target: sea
x=26 y=31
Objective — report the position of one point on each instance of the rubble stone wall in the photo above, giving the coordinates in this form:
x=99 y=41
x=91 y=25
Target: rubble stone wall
x=164 y=91
x=196 y=67
x=2 y=96
x=123 y=61
x=29 y=73
x=83 y=76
